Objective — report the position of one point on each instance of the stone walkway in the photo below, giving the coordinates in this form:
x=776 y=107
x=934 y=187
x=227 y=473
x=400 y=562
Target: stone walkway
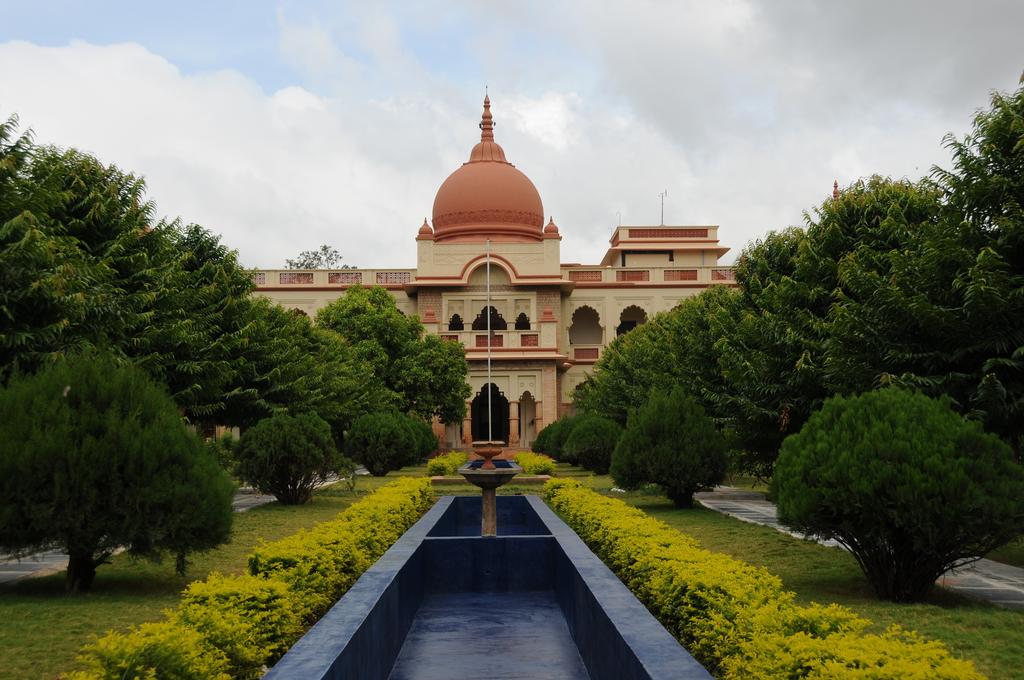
x=994 y=582
x=54 y=561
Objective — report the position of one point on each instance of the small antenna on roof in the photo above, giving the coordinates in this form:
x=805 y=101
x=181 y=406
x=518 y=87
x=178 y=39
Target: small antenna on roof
x=663 y=194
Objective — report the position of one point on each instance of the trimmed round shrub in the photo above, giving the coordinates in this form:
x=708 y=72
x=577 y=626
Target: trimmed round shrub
x=670 y=441
x=535 y=463
x=287 y=456
x=447 y=464
x=381 y=442
x=94 y=456
x=552 y=438
x=426 y=440
x=904 y=482
x=591 y=442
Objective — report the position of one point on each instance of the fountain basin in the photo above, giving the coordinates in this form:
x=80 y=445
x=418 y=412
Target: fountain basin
x=478 y=475
x=445 y=602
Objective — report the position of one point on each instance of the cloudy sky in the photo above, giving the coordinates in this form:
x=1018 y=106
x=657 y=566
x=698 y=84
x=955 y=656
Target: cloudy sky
x=284 y=125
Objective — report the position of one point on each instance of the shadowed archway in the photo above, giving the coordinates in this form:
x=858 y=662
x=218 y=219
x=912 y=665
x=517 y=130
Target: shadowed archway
x=498 y=415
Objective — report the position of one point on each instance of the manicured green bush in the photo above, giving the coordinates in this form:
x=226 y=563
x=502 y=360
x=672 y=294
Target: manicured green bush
x=733 y=617
x=552 y=438
x=535 y=463
x=905 y=483
x=447 y=464
x=287 y=456
x=381 y=442
x=591 y=441
x=94 y=456
x=423 y=434
x=672 y=442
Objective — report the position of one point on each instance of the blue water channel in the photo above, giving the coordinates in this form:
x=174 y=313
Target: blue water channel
x=445 y=603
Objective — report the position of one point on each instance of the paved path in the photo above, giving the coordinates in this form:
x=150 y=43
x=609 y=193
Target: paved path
x=993 y=582
x=53 y=561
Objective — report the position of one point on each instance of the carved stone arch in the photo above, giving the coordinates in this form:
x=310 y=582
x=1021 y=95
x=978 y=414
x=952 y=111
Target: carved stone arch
x=498 y=322
x=631 y=317
x=500 y=275
x=586 y=327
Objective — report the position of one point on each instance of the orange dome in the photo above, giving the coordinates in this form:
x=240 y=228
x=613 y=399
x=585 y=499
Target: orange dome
x=488 y=197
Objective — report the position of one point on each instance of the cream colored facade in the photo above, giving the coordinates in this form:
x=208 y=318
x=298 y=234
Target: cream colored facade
x=551 y=321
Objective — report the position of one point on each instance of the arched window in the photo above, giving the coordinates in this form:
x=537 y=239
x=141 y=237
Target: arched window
x=630 y=318
x=455 y=323
x=586 y=327
x=522 y=322
x=498 y=322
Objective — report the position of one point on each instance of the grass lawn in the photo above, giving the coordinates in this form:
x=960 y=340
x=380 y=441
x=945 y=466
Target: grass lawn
x=43 y=629
x=991 y=637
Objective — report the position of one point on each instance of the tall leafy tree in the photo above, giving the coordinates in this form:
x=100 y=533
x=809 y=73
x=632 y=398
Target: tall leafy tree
x=324 y=257
x=94 y=457
x=425 y=375
x=43 y=277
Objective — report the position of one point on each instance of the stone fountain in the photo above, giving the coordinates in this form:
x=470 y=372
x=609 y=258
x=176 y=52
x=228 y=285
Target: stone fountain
x=488 y=476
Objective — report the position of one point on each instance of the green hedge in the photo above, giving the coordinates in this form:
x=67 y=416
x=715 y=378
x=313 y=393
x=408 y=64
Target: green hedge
x=447 y=464
x=232 y=626
x=535 y=463
x=735 y=618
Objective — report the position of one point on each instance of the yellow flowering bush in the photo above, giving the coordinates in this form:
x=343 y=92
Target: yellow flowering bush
x=446 y=464
x=165 y=650
x=252 y=620
x=232 y=626
x=735 y=618
x=535 y=463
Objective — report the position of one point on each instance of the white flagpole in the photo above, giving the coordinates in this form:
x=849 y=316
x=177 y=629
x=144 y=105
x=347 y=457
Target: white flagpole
x=490 y=409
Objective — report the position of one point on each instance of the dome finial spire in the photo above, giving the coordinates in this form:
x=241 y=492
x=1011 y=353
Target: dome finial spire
x=487 y=121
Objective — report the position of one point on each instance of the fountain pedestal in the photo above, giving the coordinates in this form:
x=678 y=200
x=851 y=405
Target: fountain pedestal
x=488 y=476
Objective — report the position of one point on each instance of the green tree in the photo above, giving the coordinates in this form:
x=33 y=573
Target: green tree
x=324 y=257
x=93 y=457
x=905 y=483
x=670 y=441
x=591 y=442
x=426 y=375
x=288 y=456
x=382 y=442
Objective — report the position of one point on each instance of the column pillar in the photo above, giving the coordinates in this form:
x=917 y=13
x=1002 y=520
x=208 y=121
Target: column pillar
x=467 y=425
x=513 y=423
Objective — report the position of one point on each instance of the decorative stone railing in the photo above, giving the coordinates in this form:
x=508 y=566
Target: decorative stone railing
x=477 y=340
x=642 y=275
x=340 y=278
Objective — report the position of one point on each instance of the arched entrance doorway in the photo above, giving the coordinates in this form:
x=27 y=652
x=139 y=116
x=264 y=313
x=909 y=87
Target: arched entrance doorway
x=498 y=415
x=527 y=419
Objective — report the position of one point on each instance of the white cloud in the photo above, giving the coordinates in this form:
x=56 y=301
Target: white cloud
x=744 y=111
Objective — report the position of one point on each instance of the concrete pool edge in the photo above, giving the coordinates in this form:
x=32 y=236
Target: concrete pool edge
x=363 y=633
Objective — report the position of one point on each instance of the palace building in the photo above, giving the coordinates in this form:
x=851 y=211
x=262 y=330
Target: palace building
x=549 y=320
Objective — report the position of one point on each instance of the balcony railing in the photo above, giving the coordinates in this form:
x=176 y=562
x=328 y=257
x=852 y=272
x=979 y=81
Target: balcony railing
x=477 y=340
x=642 y=275
x=340 y=278
x=586 y=353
